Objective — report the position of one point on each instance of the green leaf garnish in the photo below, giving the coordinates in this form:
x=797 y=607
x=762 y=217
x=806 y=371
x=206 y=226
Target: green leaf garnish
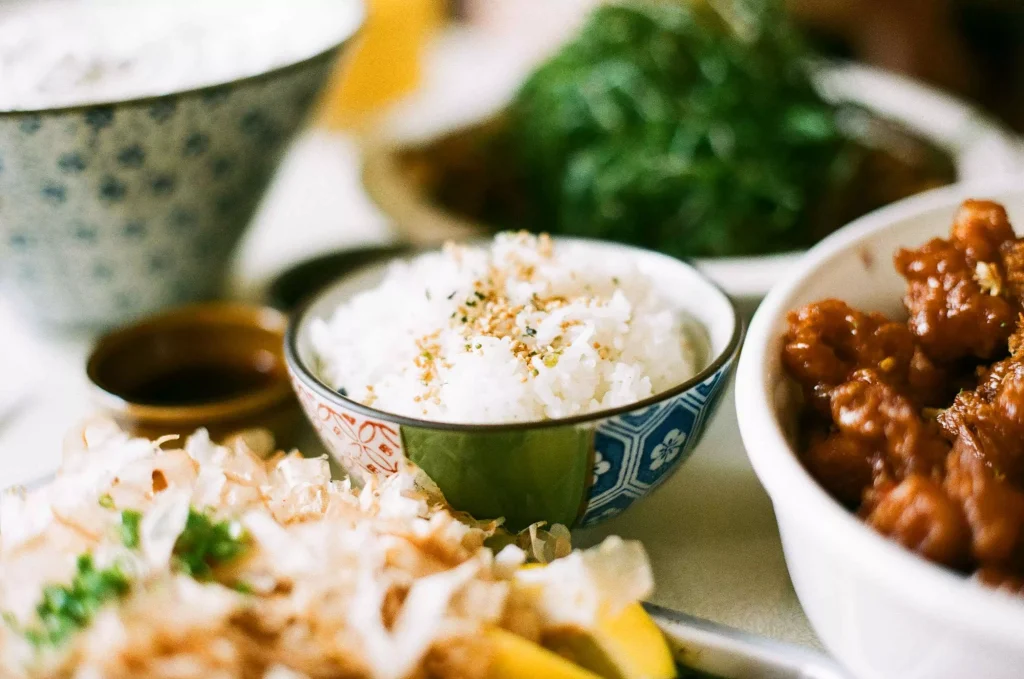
x=65 y=609
x=242 y=587
x=130 y=520
x=205 y=544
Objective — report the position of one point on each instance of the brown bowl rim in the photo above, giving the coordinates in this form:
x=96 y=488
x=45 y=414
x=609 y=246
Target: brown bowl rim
x=209 y=314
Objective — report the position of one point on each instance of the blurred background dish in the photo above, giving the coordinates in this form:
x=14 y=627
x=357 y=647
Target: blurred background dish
x=972 y=48
x=716 y=143
x=398 y=176
x=386 y=63
x=879 y=608
x=578 y=150
x=112 y=209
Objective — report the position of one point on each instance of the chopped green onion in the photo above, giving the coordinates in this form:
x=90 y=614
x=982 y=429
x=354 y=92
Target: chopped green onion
x=205 y=544
x=130 y=520
x=65 y=609
x=243 y=587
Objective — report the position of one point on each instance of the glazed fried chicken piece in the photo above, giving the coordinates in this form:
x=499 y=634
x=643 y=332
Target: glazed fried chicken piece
x=979 y=230
x=876 y=434
x=844 y=465
x=989 y=420
x=869 y=409
x=1004 y=581
x=993 y=508
x=956 y=298
x=829 y=341
x=919 y=515
x=985 y=471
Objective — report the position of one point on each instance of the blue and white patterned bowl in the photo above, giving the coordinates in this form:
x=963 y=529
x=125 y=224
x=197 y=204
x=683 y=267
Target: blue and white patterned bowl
x=112 y=211
x=575 y=471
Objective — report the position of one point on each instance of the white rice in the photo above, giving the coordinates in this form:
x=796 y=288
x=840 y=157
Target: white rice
x=70 y=52
x=521 y=331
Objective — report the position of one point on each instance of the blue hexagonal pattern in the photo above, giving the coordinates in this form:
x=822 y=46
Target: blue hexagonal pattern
x=637 y=451
x=609 y=453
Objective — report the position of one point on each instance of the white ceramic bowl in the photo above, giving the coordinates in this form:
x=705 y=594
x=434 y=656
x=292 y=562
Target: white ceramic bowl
x=881 y=610
x=980 y=147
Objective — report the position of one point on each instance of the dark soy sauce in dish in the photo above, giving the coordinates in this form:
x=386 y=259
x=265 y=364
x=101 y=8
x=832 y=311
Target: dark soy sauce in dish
x=200 y=384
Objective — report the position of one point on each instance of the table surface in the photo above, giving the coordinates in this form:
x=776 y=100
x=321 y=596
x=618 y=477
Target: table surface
x=710 y=530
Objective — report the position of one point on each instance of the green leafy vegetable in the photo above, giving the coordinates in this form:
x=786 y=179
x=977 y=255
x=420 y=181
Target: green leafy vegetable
x=205 y=544
x=65 y=609
x=667 y=125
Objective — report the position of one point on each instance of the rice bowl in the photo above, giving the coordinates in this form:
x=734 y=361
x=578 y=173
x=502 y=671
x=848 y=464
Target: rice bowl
x=516 y=332
x=578 y=469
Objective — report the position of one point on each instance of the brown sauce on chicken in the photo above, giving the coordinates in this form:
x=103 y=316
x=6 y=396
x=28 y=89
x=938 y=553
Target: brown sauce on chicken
x=918 y=426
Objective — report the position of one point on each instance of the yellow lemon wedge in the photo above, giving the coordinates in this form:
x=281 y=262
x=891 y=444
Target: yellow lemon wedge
x=624 y=646
x=517 y=658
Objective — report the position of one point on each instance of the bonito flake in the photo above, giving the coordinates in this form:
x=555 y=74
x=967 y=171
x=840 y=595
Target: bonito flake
x=191 y=559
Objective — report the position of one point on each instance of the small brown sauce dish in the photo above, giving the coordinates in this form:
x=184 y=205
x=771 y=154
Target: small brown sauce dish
x=218 y=366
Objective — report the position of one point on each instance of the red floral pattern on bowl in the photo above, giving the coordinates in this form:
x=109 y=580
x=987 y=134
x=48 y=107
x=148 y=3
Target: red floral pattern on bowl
x=358 y=442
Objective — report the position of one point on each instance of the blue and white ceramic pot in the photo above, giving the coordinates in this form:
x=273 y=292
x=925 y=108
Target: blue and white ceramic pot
x=108 y=212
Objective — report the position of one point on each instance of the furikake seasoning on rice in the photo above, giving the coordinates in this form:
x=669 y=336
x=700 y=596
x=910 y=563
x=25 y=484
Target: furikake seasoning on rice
x=522 y=329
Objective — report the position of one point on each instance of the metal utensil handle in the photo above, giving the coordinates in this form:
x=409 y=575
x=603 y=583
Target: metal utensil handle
x=723 y=651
